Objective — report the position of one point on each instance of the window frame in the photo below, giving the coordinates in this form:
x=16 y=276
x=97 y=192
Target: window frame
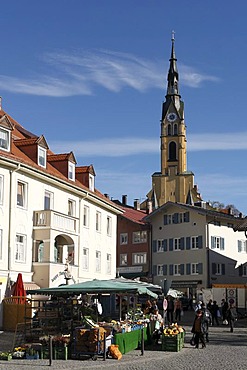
x=1 y=189
x=71 y=171
x=1 y=244
x=176 y=269
x=123 y=259
x=49 y=195
x=18 y=246
x=108 y=263
x=122 y=237
x=160 y=271
x=98 y=221
x=194 y=242
x=86 y=211
x=109 y=225
x=139 y=237
x=23 y=195
x=177 y=244
x=42 y=155
x=7 y=139
x=194 y=268
x=97 y=261
x=85 y=260
x=139 y=255
x=71 y=207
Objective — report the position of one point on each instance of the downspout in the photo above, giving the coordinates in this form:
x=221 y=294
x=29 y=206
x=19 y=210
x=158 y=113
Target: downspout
x=10 y=214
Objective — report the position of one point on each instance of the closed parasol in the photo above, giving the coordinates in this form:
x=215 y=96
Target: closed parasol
x=18 y=290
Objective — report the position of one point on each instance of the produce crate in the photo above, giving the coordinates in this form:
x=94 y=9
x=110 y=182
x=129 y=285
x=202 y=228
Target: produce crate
x=172 y=343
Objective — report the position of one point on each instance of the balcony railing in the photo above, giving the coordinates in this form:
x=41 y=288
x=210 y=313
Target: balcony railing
x=55 y=220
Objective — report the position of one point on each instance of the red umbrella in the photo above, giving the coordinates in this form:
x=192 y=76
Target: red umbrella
x=18 y=290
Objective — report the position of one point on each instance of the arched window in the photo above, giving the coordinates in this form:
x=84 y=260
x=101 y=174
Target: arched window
x=175 y=129
x=169 y=130
x=41 y=252
x=172 y=151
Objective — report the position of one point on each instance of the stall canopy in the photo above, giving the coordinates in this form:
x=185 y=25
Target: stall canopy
x=119 y=285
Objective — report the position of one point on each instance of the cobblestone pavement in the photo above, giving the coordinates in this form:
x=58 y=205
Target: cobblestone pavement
x=225 y=350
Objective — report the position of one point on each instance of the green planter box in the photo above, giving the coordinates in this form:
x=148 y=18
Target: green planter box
x=6 y=358
x=172 y=343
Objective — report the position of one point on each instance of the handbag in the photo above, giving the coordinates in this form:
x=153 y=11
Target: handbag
x=225 y=322
x=192 y=341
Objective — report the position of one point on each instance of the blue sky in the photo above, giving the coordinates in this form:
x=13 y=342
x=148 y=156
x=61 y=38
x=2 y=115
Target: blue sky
x=90 y=75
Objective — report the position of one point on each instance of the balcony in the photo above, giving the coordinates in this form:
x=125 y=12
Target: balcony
x=55 y=220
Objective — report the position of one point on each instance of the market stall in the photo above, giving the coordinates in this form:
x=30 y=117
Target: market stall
x=127 y=334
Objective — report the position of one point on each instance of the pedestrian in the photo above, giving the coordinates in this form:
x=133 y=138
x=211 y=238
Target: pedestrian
x=198 y=329
x=215 y=313
x=177 y=309
x=224 y=308
x=231 y=316
x=170 y=310
x=207 y=319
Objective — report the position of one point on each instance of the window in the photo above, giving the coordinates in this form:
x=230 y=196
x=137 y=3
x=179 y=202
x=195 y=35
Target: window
x=176 y=218
x=86 y=216
x=48 y=200
x=217 y=242
x=21 y=194
x=194 y=269
x=1 y=189
x=71 y=207
x=160 y=245
x=123 y=260
x=108 y=263
x=160 y=270
x=123 y=238
x=98 y=261
x=172 y=151
x=98 y=221
x=4 y=139
x=41 y=157
x=139 y=258
x=41 y=251
x=194 y=242
x=71 y=171
x=139 y=237
x=242 y=246
x=244 y=271
x=177 y=244
x=108 y=225
x=20 y=247
x=85 y=259
x=91 y=182
x=1 y=244
x=218 y=268
x=177 y=270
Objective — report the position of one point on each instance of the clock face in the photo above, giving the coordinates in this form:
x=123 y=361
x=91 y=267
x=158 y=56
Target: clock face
x=172 y=117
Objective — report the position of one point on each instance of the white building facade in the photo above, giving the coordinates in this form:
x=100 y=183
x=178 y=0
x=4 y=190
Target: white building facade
x=55 y=226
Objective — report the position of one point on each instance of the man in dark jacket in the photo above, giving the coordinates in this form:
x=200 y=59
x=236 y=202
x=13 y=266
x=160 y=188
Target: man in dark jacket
x=198 y=329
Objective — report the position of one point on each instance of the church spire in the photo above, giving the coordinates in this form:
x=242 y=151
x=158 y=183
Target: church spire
x=173 y=77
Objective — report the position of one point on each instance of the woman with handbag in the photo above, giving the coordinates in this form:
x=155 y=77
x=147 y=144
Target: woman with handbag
x=198 y=329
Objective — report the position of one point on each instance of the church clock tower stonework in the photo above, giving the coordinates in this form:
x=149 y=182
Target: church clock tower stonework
x=174 y=183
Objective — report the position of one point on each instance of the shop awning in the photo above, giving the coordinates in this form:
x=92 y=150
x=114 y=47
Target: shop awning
x=95 y=286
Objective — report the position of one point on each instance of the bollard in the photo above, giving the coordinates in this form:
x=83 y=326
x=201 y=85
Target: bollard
x=50 y=350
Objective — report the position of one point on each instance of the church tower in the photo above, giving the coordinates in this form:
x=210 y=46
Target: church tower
x=173 y=183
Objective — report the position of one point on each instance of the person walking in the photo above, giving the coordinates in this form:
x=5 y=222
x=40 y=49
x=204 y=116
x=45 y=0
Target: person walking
x=207 y=319
x=224 y=308
x=231 y=316
x=177 y=309
x=215 y=313
x=198 y=329
x=170 y=310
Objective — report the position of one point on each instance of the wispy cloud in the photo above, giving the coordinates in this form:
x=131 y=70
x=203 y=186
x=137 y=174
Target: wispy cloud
x=116 y=147
x=81 y=72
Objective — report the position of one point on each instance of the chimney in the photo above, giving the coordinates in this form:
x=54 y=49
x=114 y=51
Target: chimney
x=107 y=196
x=124 y=200
x=137 y=204
x=230 y=211
x=149 y=206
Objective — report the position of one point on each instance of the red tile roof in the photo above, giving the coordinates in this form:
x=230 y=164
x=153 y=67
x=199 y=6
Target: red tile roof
x=134 y=215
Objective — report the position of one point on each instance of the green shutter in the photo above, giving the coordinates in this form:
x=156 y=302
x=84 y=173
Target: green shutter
x=188 y=268
x=200 y=245
x=188 y=242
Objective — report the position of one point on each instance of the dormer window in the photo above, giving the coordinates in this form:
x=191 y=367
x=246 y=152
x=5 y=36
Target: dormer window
x=4 y=139
x=41 y=157
x=91 y=182
x=71 y=171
